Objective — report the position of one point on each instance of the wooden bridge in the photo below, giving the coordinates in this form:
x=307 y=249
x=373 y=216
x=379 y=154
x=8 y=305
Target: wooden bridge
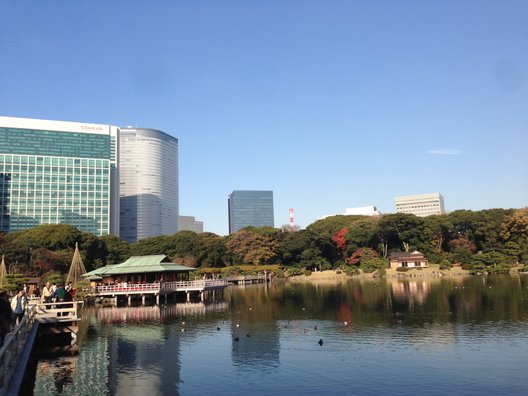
x=249 y=279
x=40 y=319
x=159 y=288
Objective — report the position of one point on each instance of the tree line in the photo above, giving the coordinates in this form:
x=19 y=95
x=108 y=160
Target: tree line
x=494 y=238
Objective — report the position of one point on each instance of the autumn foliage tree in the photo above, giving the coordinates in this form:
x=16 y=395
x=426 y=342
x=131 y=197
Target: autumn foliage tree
x=252 y=247
x=339 y=239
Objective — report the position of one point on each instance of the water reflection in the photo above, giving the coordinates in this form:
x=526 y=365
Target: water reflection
x=264 y=339
x=144 y=314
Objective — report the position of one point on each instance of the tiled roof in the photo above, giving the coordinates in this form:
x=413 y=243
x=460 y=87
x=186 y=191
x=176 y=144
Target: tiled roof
x=140 y=265
x=402 y=255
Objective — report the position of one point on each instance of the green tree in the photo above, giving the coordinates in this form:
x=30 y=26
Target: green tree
x=115 y=250
x=49 y=236
x=402 y=231
x=327 y=227
x=293 y=244
x=439 y=227
x=211 y=251
x=362 y=233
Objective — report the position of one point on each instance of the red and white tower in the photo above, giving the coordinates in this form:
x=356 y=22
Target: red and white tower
x=292 y=222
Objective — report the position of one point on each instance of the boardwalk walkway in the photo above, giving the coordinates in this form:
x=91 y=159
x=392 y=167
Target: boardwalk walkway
x=15 y=353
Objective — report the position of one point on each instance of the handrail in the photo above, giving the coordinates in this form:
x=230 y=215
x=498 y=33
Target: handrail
x=57 y=311
x=13 y=345
x=158 y=286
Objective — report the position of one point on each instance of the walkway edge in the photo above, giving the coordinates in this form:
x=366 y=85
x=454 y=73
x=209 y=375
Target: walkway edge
x=16 y=381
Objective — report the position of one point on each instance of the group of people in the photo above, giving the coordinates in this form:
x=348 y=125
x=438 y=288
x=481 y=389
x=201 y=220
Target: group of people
x=11 y=312
x=53 y=293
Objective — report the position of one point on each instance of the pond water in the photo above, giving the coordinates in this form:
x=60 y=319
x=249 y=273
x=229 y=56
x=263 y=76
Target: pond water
x=461 y=336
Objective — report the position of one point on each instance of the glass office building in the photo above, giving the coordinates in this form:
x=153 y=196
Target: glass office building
x=55 y=172
x=250 y=208
x=149 y=184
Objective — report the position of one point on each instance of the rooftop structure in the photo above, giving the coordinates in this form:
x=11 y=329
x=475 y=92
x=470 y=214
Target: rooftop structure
x=420 y=205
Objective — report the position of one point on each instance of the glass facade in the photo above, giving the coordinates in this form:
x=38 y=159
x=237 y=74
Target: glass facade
x=149 y=184
x=250 y=208
x=52 y=177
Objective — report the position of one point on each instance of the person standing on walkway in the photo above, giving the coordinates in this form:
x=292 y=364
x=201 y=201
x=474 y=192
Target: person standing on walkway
x=18 y=305
x=46 y=293
x=6 y=314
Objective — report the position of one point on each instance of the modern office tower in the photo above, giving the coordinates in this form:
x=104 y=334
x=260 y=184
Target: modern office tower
x=148 y=183
x=420 y=205
x=55 y=172
x=363 y=211
x=189 y=223
x=250 y=208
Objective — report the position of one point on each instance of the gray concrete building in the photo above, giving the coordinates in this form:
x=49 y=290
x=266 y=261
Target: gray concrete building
x=189 y=223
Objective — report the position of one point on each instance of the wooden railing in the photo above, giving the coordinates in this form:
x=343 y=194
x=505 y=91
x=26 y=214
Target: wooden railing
x=198 y=284
x=161 y=286
x=143 y=287
x=64 y=311
x=13 y=345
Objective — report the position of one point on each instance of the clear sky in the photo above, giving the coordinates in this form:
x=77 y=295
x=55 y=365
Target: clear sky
x=330 y=104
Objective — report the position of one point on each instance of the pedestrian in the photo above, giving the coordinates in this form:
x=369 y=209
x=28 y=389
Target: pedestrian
x=18 y=305
x=6 y=314
x=46 y=293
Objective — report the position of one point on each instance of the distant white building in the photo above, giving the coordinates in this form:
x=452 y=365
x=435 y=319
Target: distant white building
x=421 y=205
x=363 y=211
x=189 y=223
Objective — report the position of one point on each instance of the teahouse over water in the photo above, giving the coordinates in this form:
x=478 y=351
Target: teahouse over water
x=140 y=269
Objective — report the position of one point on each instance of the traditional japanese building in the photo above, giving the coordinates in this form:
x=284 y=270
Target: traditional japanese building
x=408 y=260
x=141 y=269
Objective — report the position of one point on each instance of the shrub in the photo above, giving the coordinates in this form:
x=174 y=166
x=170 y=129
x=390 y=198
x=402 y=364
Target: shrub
x=293 y=271
x=402 y=269
x=445 y=264
x=349 y=271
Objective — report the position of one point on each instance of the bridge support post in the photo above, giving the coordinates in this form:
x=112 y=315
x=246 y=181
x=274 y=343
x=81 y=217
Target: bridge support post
x=157 y=299
x=129 y=299
x=166 y=298
x=202 y=296
x=188 y=296
x=143 y=299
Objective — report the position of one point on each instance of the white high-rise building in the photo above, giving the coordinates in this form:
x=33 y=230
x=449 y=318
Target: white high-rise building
x=363 y=211
x=420 y=205
x=149 y=186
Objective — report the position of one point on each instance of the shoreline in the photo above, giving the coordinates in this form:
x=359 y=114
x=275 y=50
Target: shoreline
x=329 y=276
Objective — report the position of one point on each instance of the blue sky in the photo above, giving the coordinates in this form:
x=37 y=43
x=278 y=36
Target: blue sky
x=330 y=104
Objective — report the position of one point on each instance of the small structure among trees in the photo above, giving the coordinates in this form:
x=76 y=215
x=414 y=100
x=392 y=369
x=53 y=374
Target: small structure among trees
x=408 y=260
x=3 y=274
x=77 y=267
